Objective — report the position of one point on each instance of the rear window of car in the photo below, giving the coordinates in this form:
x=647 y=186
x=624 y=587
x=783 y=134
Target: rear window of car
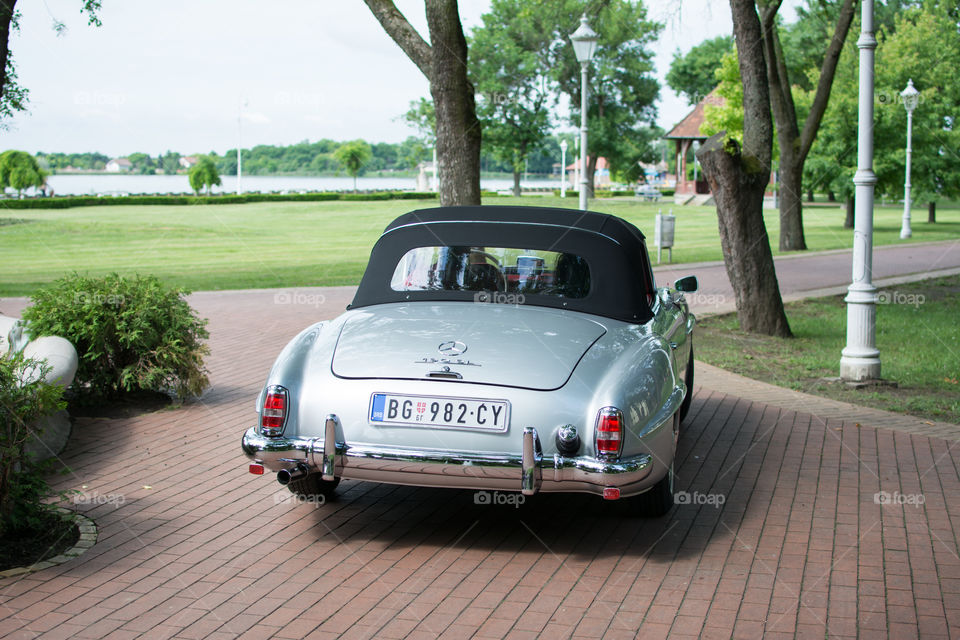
x=492 y=269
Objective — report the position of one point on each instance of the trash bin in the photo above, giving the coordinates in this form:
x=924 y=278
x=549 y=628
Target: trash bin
x=663 y=235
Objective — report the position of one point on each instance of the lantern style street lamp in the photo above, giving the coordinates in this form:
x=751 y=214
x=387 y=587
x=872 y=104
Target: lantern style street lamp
x=563 y=168
x=584 y=41
x=911 y=97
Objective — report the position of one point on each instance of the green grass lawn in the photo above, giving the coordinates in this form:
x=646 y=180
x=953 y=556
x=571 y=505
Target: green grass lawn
x=321 y=243
x=917 y=334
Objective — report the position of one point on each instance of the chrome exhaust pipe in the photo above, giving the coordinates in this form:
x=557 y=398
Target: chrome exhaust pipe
x=286 y=476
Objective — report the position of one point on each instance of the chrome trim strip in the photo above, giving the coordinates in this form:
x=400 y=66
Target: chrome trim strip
x=456 y=469
x=498 y=222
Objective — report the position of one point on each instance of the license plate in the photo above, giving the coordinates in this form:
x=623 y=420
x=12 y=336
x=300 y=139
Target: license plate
x=440 y=412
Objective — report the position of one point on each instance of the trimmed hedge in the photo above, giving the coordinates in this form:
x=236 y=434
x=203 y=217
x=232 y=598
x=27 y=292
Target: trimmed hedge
x=66 y=202
x=610 y=193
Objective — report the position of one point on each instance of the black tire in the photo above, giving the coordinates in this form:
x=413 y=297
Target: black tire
x=313 y=484
x=658 y=500
x=688 y=380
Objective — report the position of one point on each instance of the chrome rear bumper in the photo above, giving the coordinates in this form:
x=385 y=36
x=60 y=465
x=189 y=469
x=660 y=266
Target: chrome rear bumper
x=528 y=471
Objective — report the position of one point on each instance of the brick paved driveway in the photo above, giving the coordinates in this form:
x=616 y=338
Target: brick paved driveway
x=199 y=548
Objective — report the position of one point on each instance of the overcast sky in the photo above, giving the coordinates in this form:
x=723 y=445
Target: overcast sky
x=172 y=75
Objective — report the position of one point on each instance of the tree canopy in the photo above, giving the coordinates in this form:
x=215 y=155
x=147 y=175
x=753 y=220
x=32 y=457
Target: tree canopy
x=621 y=110
x=204 y=174
x=19 y=170
x=353 y=157
x=920 y=43
x=694 y=75
x=508 y=67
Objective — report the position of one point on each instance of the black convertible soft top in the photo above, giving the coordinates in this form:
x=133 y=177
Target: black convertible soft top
x=621 y=279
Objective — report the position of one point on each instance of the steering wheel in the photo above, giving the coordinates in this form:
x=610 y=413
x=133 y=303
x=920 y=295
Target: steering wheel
x=496 y=263
x=488 y=256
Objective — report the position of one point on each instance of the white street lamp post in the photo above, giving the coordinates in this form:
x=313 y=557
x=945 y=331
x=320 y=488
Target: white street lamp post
x=860 y=359
x=910 y=99
x=563 y=168
x=584 y=41
x=576 y=164
x=243 y=103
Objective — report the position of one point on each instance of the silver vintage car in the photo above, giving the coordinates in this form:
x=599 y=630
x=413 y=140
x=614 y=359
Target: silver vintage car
x=492 y=348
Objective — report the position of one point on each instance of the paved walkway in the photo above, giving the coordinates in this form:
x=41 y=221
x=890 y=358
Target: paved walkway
x=813 y=275
x=798 y=524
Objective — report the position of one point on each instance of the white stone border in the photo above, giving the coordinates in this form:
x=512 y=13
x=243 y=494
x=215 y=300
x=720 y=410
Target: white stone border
x=88 y=538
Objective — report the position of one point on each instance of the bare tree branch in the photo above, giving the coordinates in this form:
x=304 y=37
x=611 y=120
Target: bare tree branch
x=827 y=71
x=757 y=125
x=399 y=28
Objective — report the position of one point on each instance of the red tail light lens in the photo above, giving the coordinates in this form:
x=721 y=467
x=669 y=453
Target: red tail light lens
x=274 y=411
x=609 y=432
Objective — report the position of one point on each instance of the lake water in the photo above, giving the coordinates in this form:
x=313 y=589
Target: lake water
x=70 y=184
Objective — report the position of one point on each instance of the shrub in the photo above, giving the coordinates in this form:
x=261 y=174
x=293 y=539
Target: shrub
x=130 y=333
x=24 y=398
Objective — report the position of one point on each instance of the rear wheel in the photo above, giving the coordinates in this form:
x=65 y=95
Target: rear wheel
x=658 y=500
x=313 y=484
x=688 y=380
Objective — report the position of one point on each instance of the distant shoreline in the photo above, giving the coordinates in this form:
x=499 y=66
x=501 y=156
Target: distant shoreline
x=372 y=174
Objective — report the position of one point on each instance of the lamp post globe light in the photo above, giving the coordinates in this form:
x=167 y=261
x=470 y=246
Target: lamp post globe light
x=563 y=168
x=584 y=41
x=911 y=97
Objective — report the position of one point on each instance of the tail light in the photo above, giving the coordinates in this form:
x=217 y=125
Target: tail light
x=274 y=411
x=609 y=432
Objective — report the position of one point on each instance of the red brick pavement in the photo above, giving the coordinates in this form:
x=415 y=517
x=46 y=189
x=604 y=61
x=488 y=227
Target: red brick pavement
x=202 y=549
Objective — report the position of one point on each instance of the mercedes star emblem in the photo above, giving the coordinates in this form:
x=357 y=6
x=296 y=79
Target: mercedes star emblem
x=452 y=348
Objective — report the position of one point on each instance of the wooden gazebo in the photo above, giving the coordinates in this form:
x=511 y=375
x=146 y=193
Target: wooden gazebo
x=684 y=134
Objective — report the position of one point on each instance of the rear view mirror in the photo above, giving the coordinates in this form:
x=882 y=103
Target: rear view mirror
x=687 y=284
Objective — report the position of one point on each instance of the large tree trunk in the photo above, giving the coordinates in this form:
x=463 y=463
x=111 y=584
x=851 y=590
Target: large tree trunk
x=795 y=144
x=444 y=63
x=848 y=221
x=746 y=247
x=931 y=212
x=516 y=183
x=738 y=178
x=791 y=202
x=458 y=129
x=7 y=8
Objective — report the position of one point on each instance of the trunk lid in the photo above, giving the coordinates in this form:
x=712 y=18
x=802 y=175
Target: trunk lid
x=515 y=346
